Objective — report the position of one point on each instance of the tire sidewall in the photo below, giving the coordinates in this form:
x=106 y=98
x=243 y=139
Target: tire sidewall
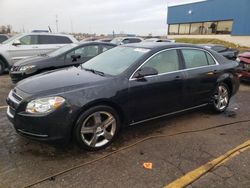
x=214 y=108
x=2 y=67
x=77 y=129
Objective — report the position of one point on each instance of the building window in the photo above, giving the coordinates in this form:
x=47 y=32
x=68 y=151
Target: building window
x=224 y=27
x=184 y=29
x=203 y=28
x=174 y=29
x=196 y=28
x=207 y=28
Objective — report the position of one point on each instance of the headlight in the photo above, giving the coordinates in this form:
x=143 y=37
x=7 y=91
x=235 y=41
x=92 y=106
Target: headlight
x=44 y=105
x=238 y=59
x=27 y=68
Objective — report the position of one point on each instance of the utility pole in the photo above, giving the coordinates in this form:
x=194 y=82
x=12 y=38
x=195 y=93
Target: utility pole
x=56 y=24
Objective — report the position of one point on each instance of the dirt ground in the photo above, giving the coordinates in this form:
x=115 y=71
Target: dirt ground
x=190 y=140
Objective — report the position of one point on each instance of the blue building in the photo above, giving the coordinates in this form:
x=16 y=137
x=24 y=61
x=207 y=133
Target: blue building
x=210 y=17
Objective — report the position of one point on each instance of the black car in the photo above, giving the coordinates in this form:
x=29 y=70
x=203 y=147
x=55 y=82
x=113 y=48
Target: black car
x=229 y=53
x=69 y=55
x=126 y=85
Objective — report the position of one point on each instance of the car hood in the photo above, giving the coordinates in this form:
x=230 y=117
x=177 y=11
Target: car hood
x=61 y=80
x=35 y=60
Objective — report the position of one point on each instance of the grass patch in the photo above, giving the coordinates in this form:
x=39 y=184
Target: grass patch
x=211 y=41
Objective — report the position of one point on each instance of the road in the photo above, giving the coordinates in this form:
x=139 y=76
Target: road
x=186 y=142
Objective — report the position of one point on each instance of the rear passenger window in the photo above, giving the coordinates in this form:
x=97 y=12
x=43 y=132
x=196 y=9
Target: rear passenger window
x=194 y=58
x=210 y=59
x=164 y=62
x=51 y=39
x=62 y=40
x=46 y=39
x=106 y=47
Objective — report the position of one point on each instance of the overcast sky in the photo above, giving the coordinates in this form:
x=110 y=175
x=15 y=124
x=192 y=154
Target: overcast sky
x=88 y=16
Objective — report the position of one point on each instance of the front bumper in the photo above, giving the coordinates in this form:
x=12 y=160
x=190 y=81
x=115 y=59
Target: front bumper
x=17 y=76
x=56 y=125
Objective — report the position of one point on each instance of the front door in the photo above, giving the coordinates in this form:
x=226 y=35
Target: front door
x=159 y=94
x=29 y=47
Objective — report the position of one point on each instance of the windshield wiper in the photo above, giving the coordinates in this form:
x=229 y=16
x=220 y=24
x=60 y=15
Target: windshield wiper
x=95 y=71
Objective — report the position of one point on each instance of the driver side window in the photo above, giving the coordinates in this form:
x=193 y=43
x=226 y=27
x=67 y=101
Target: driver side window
x=29 y=40
x=164 y=62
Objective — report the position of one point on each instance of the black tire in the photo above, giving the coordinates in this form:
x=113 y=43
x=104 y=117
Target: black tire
x=89 y=117
x=214 y=105
x=2 y=67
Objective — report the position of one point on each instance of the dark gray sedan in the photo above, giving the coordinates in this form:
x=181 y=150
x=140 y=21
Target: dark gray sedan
x=69 y=55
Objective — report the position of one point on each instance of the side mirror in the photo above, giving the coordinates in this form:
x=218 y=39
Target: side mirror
x=16 y=43
x=75 y=57
x=145 y=71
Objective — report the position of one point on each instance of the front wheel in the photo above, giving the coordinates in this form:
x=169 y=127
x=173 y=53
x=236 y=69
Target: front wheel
x=220 y=98
x=97 y=128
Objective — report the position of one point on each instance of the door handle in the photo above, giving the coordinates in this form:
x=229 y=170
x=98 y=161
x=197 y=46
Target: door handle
x=178 y=78
x=212 y=72
x=35 y=47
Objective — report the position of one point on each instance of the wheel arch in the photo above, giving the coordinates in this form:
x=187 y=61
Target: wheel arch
x=228 y=80
x=100 y=102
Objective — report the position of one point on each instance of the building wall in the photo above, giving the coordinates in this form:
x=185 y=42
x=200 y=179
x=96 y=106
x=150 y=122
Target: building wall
x=211 y=10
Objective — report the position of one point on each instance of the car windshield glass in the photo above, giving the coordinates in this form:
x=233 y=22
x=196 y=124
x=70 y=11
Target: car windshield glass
x=115 y=61
x=11 y=39
x=62 y=50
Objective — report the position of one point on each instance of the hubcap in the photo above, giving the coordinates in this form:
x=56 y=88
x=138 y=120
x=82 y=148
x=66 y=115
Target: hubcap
x=221 y=98
x=98 y=129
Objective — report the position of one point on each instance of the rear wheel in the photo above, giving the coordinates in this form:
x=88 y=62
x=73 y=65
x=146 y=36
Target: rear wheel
x=2 y=67
x=97 y=128
x=220 y=98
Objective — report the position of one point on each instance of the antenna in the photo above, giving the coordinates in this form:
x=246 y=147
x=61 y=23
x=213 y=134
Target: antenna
x=56 y=24
x=50 y=29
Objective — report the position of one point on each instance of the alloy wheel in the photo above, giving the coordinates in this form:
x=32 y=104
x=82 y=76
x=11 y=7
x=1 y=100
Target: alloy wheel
x=221 y=98
x=98 y=129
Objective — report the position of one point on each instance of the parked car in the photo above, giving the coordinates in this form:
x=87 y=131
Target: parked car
x=126 y=40
x=126 y=85
x=158 y=40
x=3 y=38
x=244 y=60
x=27 y=45
x=104 y=40
x=228 y=53
x=69 y=55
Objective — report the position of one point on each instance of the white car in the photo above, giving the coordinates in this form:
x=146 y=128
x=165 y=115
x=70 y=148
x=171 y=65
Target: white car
x=159 y=40
x=126 y=40
x=26 y=45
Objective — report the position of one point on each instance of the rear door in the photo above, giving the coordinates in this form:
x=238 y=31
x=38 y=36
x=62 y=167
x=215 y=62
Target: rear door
x=202 y=72
x=48 y=43
x=159 y=94
x=29 y=47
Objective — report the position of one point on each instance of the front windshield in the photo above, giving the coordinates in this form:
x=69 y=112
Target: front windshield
x=63 y=49
x=11 y=39
x=115 y=61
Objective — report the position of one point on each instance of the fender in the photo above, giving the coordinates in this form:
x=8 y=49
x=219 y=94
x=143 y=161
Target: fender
x=231 y=80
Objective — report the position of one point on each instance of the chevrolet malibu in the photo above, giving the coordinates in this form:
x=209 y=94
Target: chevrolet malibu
x=126 y=85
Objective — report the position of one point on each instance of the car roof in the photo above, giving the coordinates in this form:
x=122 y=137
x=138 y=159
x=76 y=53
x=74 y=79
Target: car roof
x=156 y=45
x=43 y=33
x=95 y=42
